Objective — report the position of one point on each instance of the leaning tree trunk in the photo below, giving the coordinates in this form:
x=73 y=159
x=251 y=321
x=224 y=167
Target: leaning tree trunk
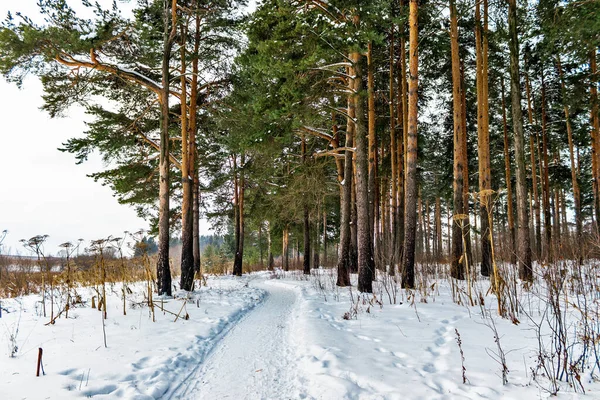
x=408 y=260
x=523 y=245
x=163 y=271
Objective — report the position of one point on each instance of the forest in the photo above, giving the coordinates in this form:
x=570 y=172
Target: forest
x=393 y=143
x=397 y=133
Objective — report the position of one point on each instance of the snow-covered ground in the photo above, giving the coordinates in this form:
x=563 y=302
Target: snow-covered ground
x=257 y=337
x=142 y=360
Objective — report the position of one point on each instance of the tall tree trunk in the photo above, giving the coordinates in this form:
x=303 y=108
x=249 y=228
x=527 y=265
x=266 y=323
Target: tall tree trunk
x=239 y=196
x=595 y=134
x=353 y=253
x=483 y=140
x=574 y=178
x=509 y=194
x=324 y=238
x=285 y=252
x=393 y=158
x=408 y=260
x=343 y=266
x=456 y=267
x=306 y=256
x=372 y=145
x=316 y=246
x=403 y=141
x=163 y=271
x=427 y=231
x=468 y=251
x=546 y=181
x=271 y=261
x=187 y=207
x=366 y=262
x=523 y=246
x=193 y=149
x=439 y=248
x=537 y=245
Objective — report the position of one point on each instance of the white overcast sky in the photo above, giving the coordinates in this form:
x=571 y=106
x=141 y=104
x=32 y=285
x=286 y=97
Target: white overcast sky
x=42 y=190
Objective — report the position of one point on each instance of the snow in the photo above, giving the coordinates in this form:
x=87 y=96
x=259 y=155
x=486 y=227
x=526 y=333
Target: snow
x=257 y=337
x=143 y=357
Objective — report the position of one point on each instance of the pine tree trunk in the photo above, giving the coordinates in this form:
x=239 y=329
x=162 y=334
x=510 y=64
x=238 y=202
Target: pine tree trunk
x=523 y=245
x=483 y=139
x=239 y=204
x=193 y=167
x=163 y=271
x=408 y=259
x=595 y=134
x=372 y=145
x=427 y=232
x=403 y=144
x=285 y=252
x=269 y=248
x=353 y=253
x=574 y=181
x=366 y=262
x=546 y=181
x=439 y=248
x=325 y=239
x=537 y=243
x=306 y=256
x=468 y=251
x=187 y=207
x=456 y=267
x=343 y=266
x=509 y=194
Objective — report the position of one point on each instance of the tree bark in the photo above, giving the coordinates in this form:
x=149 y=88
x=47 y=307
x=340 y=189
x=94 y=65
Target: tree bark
x=285 y=252
x=408 y=260
x=187 y=208
x=163 y=271
x=239 y=184
x=366 y=262
x=574 y=168
x=193 y=162
x=537 y=245
x=372 y=145
x=523 y=246
x=509 y=192
x=456 y=266
x=483 y=139
x=343 y=266
x=595 y=135
x=549 y=253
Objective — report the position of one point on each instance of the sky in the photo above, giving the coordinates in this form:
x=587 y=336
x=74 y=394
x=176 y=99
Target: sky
x=42 y=190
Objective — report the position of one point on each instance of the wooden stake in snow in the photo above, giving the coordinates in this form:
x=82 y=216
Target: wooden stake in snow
x=39 y=363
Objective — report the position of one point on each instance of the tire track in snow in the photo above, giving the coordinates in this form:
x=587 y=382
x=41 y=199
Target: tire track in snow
x=255 y=359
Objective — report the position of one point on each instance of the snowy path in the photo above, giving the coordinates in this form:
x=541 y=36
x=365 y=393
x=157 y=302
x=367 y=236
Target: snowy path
x=256 y=359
